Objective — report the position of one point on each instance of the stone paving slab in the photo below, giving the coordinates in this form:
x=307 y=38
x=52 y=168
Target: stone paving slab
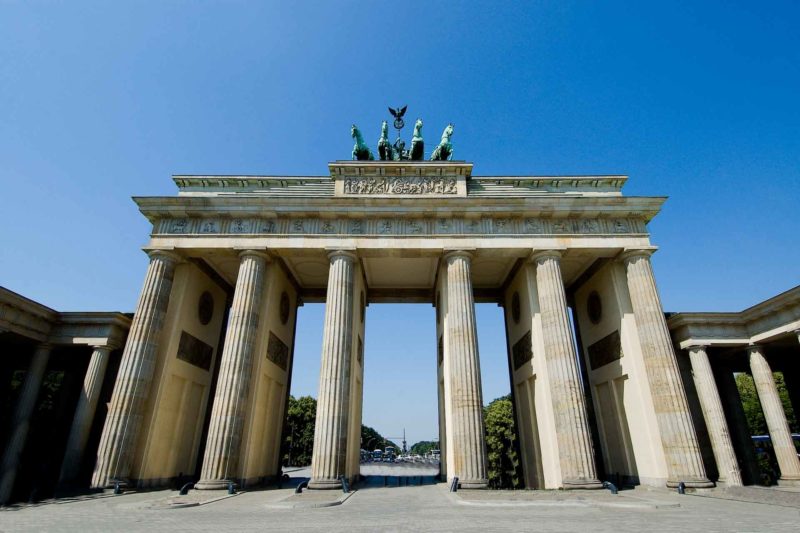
x=193 y=499
x=406 y=509
x=753 y=494
x=559 y=498
x=312 y=499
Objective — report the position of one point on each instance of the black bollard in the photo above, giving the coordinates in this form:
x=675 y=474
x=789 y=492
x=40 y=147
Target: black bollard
x=681 y=488
x=185 y=489
x=117 y=488
x=301 y=486
x=610 y=486
x=231 y=488
x=454 y=485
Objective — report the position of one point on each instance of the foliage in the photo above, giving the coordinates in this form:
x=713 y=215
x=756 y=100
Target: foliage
x=298 y=433
x=752 y=406
x=372 y=440
x=504 y=469
x=423 y=447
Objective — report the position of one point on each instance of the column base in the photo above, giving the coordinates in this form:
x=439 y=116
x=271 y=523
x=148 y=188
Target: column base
x=582 y=484
x=214 y=484
x=325 y=484
x=470 y=484
x=789 y=482
x=701 y=483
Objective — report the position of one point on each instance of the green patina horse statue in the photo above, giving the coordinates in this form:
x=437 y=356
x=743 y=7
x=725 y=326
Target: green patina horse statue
x=444 y=152
x=361 y=151
x=417 y=144
x=385 y=151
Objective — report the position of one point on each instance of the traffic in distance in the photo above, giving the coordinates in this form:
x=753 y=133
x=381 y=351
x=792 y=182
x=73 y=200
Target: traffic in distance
x=390 y=455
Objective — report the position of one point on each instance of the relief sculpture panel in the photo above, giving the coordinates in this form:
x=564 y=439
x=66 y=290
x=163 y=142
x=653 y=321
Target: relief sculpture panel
x=418 y=185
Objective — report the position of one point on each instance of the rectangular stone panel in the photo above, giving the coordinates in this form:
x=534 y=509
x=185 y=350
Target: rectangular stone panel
x=277 y=351
x=194 y=351
x=522 y=351
x=604 y=351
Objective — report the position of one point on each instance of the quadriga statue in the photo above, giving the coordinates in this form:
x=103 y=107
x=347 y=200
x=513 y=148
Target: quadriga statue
x=385 y=150
x=361 y=151
x=417 y=144
x=444 y=152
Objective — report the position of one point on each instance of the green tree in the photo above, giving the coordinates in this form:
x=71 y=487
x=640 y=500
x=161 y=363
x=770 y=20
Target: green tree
x=297 y=444
x=504 y=469
x=372 y=440
x=424 y=446
x=298 y=433
x=752 y=406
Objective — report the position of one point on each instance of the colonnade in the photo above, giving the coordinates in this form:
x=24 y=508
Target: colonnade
x=722 y=439
x=463 y=409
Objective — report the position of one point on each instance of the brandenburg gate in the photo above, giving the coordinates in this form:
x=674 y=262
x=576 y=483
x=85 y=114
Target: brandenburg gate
x=205 y=374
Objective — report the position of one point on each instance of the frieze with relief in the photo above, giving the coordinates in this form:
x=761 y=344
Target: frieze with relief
x=414 y=185
x=400 y=226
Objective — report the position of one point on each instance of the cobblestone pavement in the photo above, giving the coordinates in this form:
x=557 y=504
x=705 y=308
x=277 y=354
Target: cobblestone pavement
x=398 y=508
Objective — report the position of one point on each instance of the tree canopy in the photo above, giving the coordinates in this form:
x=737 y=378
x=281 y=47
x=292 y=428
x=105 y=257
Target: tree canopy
x=752 y=406
x=503 y=466
x=297 y=445
x=423 y=447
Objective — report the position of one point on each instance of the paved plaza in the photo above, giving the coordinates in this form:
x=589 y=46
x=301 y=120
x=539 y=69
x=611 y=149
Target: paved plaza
x=398 y=507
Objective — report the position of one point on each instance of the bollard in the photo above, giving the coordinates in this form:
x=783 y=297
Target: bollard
x=454 y=485
x=185 y=489
x=117 y=488
x=345 y=485
x=681 y=488
x=231 y=488
x=610 y=486
x=301 y=486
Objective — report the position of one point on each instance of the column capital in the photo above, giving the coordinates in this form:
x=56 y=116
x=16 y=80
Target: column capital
x=754 y=347
x=107 y=347
x=249 y=252
x=170 y=255
x=347 y=253
x=696 y=346
x=459 y=252
x=554 y=253
x=44 y=346
x=633 y=253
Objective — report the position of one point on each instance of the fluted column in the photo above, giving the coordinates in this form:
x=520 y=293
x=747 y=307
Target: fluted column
x=678 y=437
x=135 y=375
x=84 y=413
x=20 y=423
x=739 y=430
x=777 y=425
x=714 y=416
x=329 y=458
x=575 y=451
x=468 y=441
x=224 y=441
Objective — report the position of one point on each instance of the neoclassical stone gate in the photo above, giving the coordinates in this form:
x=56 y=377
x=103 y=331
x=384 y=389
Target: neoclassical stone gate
x=206 y=369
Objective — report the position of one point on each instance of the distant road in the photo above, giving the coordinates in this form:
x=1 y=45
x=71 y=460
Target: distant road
x=378 y=469
x=400 y=469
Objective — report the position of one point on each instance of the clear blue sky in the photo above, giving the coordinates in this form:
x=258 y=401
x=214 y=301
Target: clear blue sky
x=100 y=101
